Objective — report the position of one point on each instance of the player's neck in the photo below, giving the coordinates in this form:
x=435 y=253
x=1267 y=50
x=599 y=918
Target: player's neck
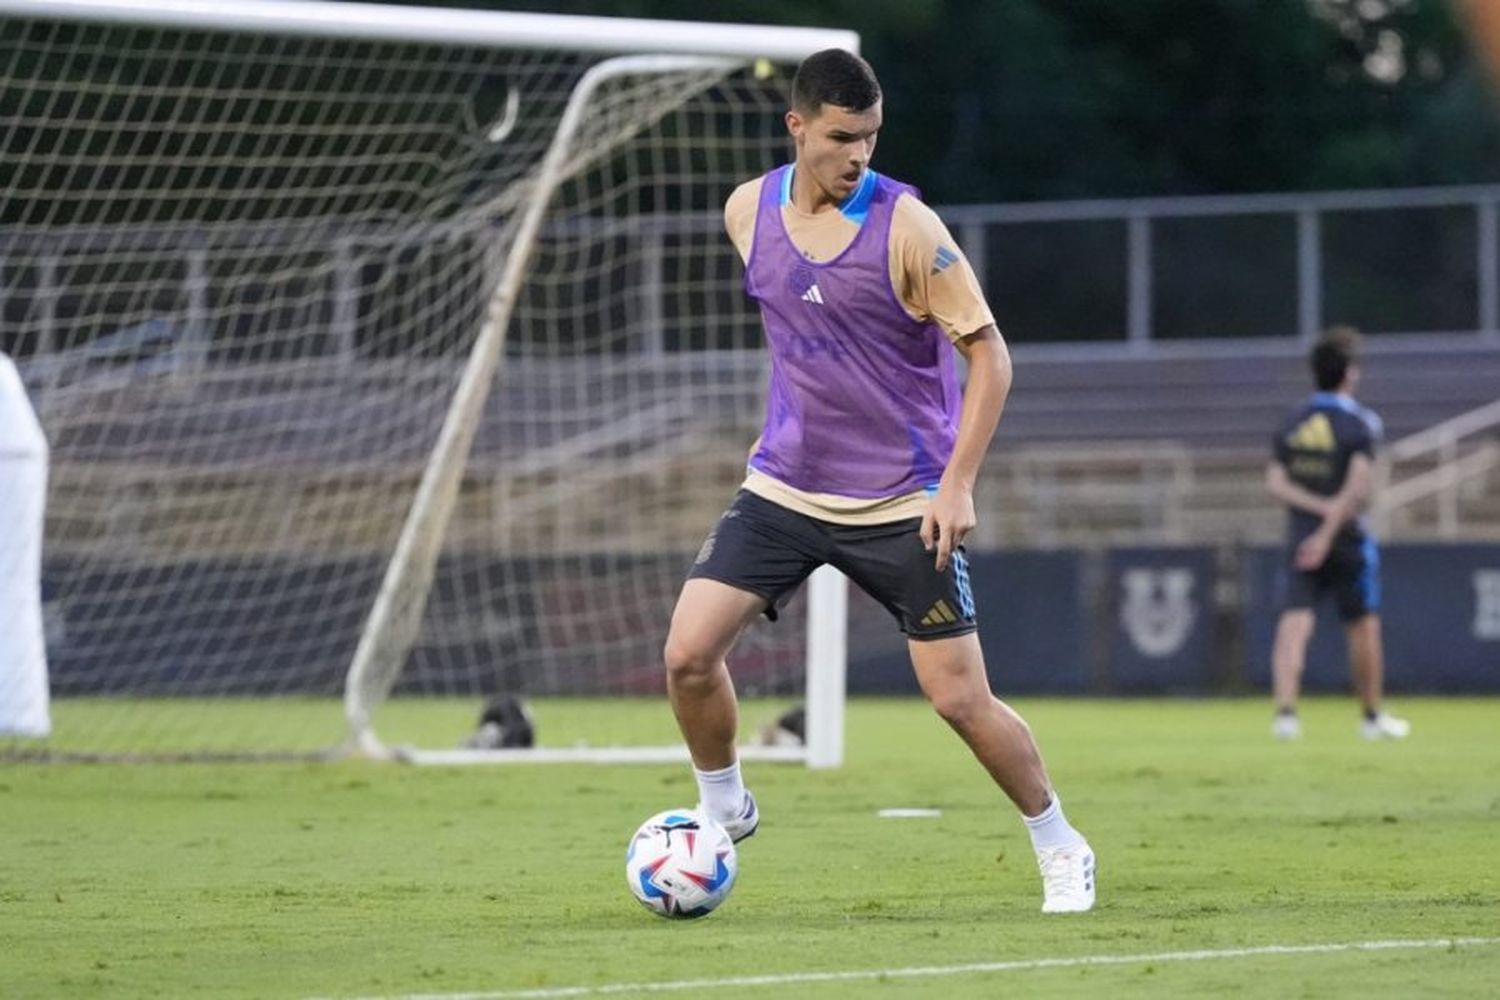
x=808 y=197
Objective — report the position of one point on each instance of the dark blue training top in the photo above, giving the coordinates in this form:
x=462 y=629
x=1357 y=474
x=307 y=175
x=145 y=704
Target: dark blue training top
x=1315 y=444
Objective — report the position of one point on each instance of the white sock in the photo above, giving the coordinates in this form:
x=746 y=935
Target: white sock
x=722 y=792
x=1050 y=828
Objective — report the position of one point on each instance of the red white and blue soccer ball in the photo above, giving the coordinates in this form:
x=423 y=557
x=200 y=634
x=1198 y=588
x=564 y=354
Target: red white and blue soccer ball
x=680 y=863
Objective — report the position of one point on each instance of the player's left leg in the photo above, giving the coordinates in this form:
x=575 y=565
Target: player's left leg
x=1355 y=569
x=936 y=612
x=952 y=676
x=1367 y=663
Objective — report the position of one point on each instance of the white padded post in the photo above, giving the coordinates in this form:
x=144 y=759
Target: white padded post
x=24 y=708
x=827 y=655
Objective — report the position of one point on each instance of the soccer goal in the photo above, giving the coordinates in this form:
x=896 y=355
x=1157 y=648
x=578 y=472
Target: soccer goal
x=390 y=359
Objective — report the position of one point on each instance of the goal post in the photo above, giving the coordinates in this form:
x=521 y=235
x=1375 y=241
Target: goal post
x=387 y=637
x=389 y=356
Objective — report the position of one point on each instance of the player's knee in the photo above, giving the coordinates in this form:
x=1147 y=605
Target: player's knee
x=687 y=662
x=1296 y=626
x=957 y=706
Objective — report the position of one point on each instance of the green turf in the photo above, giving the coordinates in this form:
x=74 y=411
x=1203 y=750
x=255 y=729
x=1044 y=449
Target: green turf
x=357 y=879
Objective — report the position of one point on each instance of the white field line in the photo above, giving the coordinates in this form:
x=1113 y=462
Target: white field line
x=933 y=971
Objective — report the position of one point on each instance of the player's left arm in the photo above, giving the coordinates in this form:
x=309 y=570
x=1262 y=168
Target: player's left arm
x=1280 y=485
x=1343 y=507
x=937 y=285
x=950 y=516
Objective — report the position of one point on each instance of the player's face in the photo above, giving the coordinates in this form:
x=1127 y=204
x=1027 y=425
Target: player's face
x=834 y=147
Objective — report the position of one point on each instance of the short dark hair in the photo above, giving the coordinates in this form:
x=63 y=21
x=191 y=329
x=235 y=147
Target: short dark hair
x=835 y=77
x=1332 y=356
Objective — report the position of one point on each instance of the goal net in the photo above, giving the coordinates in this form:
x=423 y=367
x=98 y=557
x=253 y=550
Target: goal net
x=275 y=275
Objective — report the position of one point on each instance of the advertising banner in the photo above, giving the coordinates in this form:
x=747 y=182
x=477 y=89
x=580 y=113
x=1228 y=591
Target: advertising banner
x=1161 y=620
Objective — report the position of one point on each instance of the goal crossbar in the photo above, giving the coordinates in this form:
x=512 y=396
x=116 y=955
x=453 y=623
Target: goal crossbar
x=454 y=26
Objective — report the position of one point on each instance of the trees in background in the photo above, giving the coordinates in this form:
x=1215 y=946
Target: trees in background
x=1044 y=99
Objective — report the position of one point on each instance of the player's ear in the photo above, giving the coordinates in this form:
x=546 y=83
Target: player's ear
x=795 y=124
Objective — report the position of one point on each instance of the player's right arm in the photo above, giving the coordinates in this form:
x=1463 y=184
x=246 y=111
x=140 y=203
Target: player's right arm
x=1343 y=507
x=739 y=225
x=739 y=216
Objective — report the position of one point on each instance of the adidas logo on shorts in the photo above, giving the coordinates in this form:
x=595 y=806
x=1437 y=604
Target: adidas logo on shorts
x=940 y=614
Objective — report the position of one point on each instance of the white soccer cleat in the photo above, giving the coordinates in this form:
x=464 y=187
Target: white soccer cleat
x=1286 y=727
x=1067 y=878
x=743 y=825
x=1384 y=727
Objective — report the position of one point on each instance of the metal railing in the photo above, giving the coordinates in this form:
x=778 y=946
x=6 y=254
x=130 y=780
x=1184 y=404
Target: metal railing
x=1153 y=492
x=1304 y=267
x=1140 y=221
x=1453 y=467
x=1130 y=489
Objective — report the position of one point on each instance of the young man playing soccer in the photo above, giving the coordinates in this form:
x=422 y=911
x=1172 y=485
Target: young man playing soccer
x=1322 y=471
x=869 y=453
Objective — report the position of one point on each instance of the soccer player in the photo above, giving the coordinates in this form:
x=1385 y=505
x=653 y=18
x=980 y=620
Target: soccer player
x=1322 y=471
x=868 y=456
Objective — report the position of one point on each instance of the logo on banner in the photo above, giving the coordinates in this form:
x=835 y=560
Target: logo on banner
x=1487 y=604
x=1158 y=610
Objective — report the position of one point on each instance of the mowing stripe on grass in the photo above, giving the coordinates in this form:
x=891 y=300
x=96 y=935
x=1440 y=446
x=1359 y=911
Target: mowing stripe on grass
x=863 y=975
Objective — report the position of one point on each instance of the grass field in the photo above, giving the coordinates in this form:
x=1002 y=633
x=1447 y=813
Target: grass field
x=358 y=879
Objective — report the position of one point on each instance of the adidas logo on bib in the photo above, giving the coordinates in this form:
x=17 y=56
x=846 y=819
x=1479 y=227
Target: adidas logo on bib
x=813 y=295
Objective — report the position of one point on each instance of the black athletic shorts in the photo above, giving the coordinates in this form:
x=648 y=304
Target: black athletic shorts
x=766 y=549
x=1351 y=573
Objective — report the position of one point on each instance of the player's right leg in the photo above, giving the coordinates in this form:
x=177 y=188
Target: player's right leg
x=1288 y=657
x=708 y=618
x=756 y=555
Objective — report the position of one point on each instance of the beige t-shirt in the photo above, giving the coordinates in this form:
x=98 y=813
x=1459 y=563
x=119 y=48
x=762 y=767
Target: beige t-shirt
x=931 y=277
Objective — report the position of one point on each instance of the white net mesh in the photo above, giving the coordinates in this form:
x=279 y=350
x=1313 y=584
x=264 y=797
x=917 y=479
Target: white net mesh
x=241 y=274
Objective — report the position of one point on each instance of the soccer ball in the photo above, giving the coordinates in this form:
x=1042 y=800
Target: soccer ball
x=680 y=863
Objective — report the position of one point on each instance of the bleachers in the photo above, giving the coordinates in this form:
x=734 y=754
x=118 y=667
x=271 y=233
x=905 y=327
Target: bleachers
x=1093 y=437
x=1232 y=400
x=1092 y=450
